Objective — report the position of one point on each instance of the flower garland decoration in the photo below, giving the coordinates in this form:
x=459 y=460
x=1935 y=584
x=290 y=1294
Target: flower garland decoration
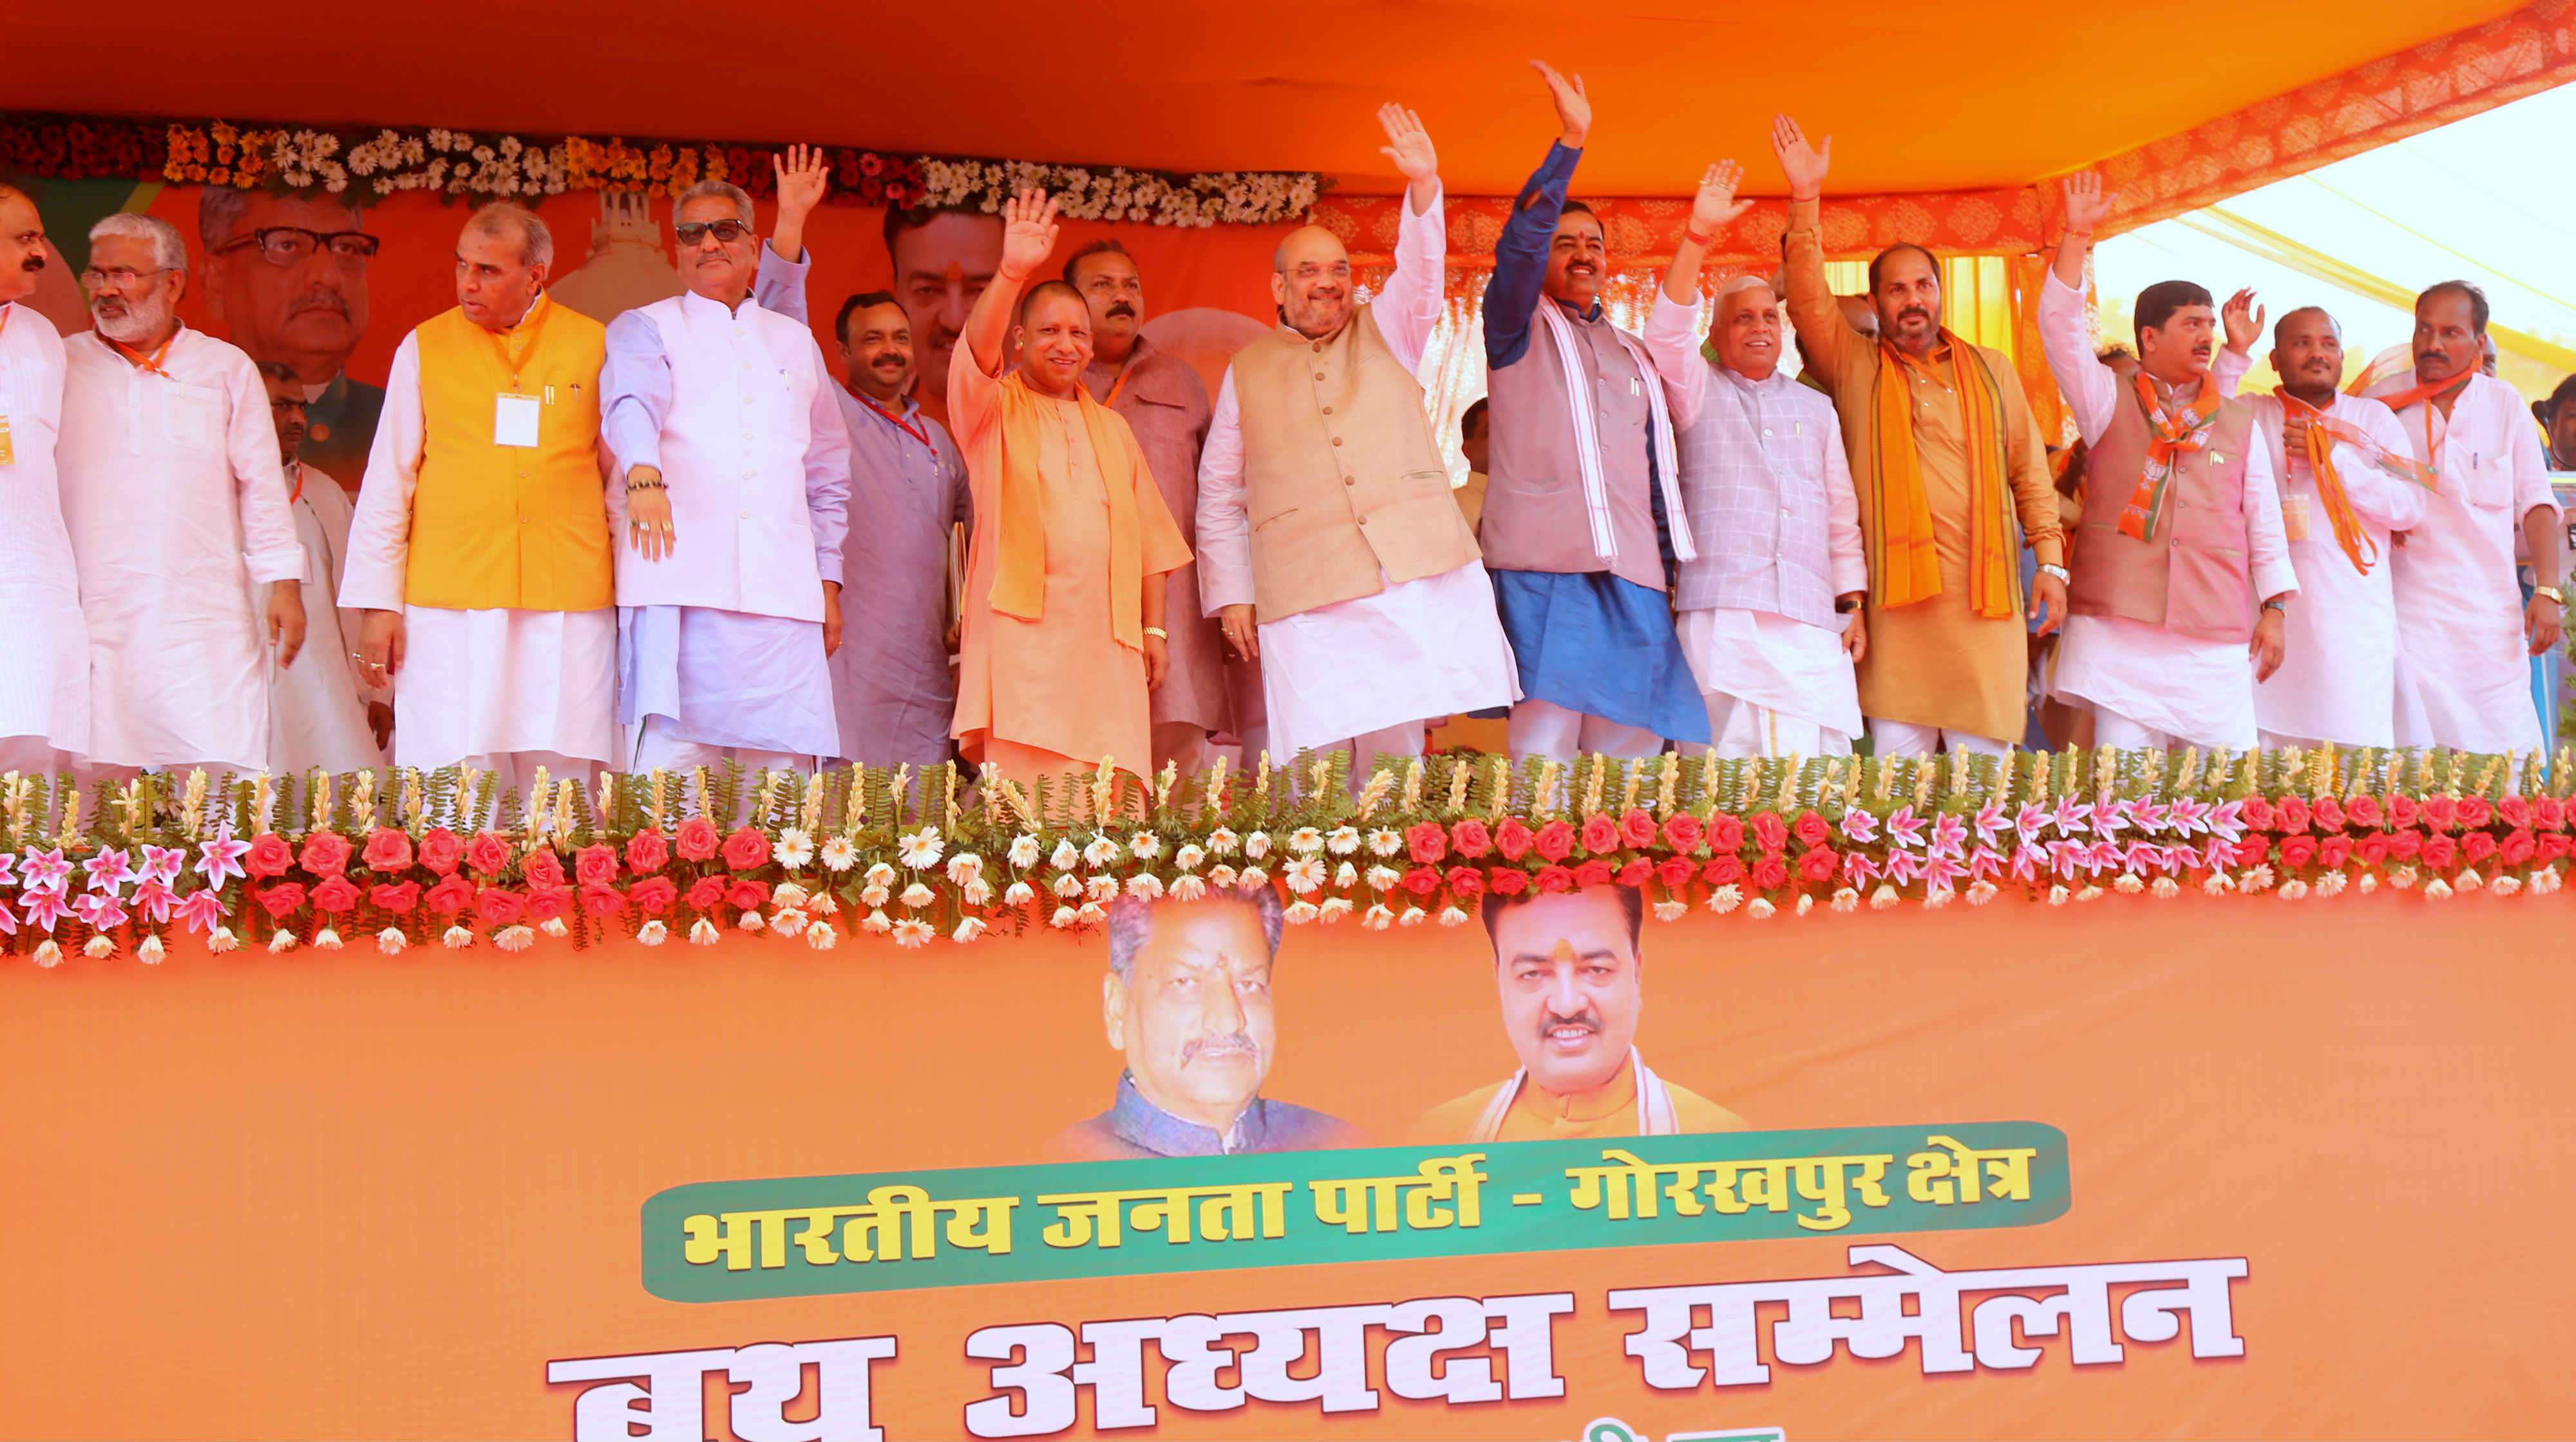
x=371 y=165
x=446 y=860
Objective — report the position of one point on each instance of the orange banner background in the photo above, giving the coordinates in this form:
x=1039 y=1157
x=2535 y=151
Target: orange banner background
x=346 y=1194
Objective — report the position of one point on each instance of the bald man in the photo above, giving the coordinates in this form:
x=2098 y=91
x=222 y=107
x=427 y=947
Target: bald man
x=1329 y=547
x=1769 y=610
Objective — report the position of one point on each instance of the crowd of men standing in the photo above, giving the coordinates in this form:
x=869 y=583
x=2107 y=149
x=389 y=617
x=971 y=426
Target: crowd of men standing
x=680 y=537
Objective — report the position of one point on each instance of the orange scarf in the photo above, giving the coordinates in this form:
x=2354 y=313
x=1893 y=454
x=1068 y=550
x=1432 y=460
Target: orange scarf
x=2171 y=435
x=2323 y=432
x=2428 y=392
x=1142 y=539
x=1904 y=559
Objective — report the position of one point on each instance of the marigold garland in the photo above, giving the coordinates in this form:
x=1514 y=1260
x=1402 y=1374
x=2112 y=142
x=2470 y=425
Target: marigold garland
x=372 y=164
x=407 y=860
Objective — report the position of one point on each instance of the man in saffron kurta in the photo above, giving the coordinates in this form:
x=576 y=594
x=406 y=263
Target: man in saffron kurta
x=1584 y=498
x=2464 y=631
x=1568 y=967
x=721 y=414
x=1945 y=460
x=1165 y=404
x=1063 y=617
x=2344 y=491
x=481 y=547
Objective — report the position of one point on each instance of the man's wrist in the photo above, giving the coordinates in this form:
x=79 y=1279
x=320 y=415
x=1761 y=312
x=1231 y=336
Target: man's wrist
x=1810 y=198
x=2055 y=572
x=2551 y=593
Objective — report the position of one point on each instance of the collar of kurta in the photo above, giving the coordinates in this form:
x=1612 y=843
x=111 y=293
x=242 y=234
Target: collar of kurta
x=690 y=300
x=1616 y=1095
x=1143 y=1124
x=1588 y=317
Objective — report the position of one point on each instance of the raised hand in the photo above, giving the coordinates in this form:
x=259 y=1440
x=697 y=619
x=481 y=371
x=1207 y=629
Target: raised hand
x=2087 y=203
x=1716 y=206
x=802 y=176
x=2244 y=321
x=1805 y=165
x=1028 y=233
x=1407 y=144
x=1573 y=106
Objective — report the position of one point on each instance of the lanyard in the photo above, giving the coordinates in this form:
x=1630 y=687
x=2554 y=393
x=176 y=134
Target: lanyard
x=141 y=361
x=298 y=493
x=898 y=421
x=1119 y=384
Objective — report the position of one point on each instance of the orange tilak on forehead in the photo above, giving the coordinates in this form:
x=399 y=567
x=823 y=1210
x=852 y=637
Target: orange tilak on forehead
x=955 y=274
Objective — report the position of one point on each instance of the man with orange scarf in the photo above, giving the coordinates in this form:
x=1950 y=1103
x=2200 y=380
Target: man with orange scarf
x=1946 y=460
x=2463 y=626
x=1063 y=634
x=2182 y=519
x=2345 y=487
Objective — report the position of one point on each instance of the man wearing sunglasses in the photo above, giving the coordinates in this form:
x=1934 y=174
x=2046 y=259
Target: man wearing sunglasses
x=286 y=280
x=735 y=464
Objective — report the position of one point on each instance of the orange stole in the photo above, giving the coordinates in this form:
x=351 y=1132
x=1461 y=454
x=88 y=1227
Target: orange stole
x=2323 y=431
x=1142 y=538
x=1905 y=560
x=2170 y=433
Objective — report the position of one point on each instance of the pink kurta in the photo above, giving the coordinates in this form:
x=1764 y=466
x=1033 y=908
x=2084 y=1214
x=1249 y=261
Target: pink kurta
x=1166 y=404
x=1061 y=683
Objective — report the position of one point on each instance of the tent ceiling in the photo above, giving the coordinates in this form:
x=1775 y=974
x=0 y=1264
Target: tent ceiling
x=2000 y=94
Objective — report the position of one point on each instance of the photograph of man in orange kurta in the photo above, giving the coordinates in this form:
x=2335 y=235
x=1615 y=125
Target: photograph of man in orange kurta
x=1569 y=971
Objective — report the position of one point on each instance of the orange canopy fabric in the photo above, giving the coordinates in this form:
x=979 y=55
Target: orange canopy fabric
x=2030 y=89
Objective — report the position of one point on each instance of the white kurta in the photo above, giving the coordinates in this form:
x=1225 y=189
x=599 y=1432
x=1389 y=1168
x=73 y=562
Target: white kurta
x=2464 y=665
x=2195 y=690
x=44 y=688
x=176 y=506
x=2338 y=676
x=1415 y=651
x=318 y=706
x=474 y=682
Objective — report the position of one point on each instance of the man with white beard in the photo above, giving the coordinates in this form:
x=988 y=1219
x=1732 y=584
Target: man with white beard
x=175 y=503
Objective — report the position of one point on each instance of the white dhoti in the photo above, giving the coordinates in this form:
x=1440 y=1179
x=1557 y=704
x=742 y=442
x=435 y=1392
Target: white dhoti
x=1419 y=649
x=482 y=685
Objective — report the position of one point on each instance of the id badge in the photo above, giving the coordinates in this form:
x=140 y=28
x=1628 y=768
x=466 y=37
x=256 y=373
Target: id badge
x=2294 y=516
x=514 y=419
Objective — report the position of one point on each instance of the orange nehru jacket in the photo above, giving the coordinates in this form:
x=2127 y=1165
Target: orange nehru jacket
x=524 y=527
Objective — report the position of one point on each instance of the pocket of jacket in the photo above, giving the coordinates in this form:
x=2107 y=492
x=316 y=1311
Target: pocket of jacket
x=1272 y=520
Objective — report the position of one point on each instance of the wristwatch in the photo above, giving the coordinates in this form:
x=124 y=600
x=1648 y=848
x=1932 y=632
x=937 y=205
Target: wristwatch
x=1845 y=605
x=2058 y=571
x=2552 y=592
x=2277 y=604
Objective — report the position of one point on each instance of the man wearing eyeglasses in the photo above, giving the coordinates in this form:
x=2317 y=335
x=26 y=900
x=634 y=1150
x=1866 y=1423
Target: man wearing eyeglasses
x=736 y=466
x=175 y=505
x=287 y=280
x=44 y=693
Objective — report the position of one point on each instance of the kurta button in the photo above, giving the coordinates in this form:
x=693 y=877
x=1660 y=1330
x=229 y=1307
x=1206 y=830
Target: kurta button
x=523 y=475
x=523 y=520
x=743 y=515
x=1350 y=480
x=1319 y=375
x=1337 y=440
x=1319 y=347
x=1328 y=410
